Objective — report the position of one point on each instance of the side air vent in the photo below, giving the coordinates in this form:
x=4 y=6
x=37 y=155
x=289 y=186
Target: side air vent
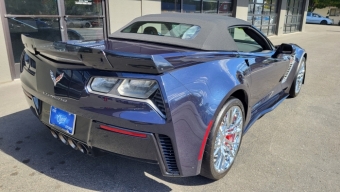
x=168 y=154
x=291 y=64
x=157 y=99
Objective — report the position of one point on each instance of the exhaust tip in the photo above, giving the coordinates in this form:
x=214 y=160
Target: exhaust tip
x=82 y=148
x=72 y=144
x=54 y=134
x=62 y=138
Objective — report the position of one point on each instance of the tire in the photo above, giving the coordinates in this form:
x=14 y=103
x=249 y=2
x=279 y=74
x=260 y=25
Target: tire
x=221 y=141
x=295 y=89
x=87 y=25
x=323 y=22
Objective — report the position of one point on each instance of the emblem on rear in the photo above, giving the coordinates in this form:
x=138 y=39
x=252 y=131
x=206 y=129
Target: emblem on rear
x=56 y=79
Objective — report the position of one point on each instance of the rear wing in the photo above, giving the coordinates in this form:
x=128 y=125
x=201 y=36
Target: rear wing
x=97 y=56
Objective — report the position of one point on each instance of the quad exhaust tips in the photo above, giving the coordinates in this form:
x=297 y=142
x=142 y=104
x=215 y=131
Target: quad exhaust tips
x=69 y=141
x=72 y=143
x=54 y=134
x=82 y=148
x=62 y=138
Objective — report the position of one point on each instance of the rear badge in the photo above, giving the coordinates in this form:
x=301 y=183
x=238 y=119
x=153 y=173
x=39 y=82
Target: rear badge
x=56 y=80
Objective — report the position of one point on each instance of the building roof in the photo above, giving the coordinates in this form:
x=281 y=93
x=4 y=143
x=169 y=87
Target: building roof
x=213 y=35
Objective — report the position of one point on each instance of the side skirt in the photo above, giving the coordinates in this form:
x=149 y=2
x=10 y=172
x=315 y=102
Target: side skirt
x=259 y=115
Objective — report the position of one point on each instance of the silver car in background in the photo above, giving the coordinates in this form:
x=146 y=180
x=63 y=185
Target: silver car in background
x=318 y=19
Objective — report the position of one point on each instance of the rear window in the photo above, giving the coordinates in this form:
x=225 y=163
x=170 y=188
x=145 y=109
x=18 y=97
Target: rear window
x=167 y=29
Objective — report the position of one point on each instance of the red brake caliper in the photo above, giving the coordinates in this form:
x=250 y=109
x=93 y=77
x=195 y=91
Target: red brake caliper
x=231 y=137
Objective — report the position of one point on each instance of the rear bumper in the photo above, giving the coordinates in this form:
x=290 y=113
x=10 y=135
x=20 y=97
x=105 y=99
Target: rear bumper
x=173 y=139
x=88 y=132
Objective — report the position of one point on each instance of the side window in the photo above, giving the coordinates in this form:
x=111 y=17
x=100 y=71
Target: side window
x=247 y=40
x=309 y=14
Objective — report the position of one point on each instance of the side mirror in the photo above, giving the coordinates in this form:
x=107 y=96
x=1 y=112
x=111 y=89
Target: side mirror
x=327 y=16
x=283 y=49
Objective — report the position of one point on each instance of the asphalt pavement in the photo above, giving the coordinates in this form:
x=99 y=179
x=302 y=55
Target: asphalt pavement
x=296 y=147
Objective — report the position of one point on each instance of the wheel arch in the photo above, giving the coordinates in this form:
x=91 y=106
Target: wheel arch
x=240 y=93
x=324 y=22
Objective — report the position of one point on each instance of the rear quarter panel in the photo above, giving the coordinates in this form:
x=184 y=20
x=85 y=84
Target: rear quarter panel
x=203 y=90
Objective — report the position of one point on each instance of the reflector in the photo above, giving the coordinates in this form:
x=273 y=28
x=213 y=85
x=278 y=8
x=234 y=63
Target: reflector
x=125 y=132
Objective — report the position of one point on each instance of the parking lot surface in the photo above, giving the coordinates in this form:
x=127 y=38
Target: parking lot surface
x=296 y=147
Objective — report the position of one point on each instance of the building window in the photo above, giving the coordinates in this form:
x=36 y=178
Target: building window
x=82 y=15
x=293 y=20
x=263 y=15
x=192 y=6
x=41 y=19
x=40 y=28
x=171 y=5
x=210 y=6
x=224 y=7
x=32 y=7
x=334 y=12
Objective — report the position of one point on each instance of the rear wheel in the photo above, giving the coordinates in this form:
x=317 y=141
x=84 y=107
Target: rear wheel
x=224 y=140
x=299 y=78
x=324 y=22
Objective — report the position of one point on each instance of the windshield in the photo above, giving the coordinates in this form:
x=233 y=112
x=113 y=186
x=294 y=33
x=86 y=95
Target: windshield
x=177 y=30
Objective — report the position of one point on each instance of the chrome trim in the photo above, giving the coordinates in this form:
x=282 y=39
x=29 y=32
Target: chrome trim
x=147 y=101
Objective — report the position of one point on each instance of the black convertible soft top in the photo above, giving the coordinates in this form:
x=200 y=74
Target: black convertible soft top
x=213 y=35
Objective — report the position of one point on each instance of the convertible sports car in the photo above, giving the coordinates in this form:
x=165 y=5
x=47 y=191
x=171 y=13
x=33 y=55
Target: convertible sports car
x=176 y=89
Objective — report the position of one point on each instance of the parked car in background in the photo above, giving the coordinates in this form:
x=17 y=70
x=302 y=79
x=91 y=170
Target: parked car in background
x=78 y=23
x=318 y=19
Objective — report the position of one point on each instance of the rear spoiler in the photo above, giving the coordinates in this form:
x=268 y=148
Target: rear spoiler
x=97 y=57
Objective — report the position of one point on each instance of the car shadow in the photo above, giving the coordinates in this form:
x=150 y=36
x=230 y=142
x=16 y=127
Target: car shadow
x=26 y=139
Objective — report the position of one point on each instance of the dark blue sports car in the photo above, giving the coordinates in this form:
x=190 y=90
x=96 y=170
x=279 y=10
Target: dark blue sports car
x=176 y=89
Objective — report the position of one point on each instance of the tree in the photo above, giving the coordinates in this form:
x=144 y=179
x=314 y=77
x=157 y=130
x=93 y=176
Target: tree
x=320 y=4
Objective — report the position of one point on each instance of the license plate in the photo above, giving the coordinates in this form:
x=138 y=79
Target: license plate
x=62 y=119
